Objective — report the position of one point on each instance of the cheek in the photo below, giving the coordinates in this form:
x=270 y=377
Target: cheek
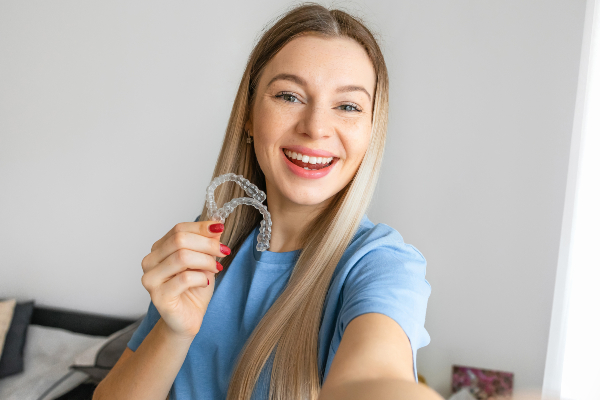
x=270 y=121
x=269 y=126
x=356 y=145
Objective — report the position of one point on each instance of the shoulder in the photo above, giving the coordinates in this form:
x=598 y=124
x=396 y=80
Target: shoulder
x=384 y=246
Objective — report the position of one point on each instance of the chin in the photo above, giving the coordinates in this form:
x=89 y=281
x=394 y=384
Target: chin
x=295 y=193
x=309 y=199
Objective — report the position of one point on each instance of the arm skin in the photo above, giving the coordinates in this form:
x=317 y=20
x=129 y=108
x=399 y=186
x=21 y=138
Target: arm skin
x=374 y=361
x=149 y=372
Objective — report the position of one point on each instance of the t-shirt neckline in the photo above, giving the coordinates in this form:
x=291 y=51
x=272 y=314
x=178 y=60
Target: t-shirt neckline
x=269 y=257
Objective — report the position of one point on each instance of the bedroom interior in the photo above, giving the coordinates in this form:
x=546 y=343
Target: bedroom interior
x=103 y=136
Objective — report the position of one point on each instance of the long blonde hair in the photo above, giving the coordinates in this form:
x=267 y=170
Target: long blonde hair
x=291 y=326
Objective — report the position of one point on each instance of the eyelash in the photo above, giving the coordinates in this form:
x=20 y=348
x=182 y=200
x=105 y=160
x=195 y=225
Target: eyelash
x=282 y=94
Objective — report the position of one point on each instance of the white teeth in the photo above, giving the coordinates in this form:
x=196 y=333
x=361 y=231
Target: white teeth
x=307 y=159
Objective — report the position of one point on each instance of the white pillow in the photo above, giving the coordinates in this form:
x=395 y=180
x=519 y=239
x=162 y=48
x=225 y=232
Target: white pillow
x=48 y=354
x=7 y=308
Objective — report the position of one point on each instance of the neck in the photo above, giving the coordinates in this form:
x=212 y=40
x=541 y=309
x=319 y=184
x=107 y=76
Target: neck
x=289 y=220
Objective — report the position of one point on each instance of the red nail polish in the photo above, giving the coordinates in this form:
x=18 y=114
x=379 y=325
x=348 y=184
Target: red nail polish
x=225 y=250
x=207 y=281
x=216 y=228
x=219 y=266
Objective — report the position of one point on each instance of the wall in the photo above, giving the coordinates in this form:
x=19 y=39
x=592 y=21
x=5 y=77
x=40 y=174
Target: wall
x=112 y=114
x=475 y=173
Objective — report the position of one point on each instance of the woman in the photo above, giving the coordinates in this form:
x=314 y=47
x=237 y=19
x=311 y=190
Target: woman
x=308 y=127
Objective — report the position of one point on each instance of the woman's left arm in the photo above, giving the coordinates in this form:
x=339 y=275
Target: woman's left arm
x=374 y=361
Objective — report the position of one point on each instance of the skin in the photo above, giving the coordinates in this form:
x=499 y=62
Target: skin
x=315 y=115
x=374 y=353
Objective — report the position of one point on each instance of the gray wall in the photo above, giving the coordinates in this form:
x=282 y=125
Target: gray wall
x=112 y=114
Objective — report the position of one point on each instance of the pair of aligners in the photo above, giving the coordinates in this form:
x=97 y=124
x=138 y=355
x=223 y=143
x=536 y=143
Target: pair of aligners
x=256 y=199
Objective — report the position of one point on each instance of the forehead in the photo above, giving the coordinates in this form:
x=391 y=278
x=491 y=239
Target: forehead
x=324 y=62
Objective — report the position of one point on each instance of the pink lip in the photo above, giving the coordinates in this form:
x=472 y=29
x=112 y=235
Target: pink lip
x=305 y=173
x=305 y=151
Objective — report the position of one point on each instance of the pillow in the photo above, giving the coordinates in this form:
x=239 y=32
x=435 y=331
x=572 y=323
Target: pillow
x=11 y=361
x=48 y=354
x=7 y=308
x=98 y=360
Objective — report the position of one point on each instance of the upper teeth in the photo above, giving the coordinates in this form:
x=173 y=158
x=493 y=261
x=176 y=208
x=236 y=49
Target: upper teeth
x=307 y=159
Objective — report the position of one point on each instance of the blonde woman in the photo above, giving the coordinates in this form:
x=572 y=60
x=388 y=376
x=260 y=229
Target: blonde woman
x=335 y=308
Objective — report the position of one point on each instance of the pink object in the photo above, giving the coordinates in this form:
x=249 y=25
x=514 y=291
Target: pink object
x=482 y=383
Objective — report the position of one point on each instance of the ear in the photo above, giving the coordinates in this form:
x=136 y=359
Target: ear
x=248 y=127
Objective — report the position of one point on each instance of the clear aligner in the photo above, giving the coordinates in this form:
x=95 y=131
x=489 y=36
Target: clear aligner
x=256 y=199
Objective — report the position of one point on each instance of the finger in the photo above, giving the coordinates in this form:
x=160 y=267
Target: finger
x=178 y=262
x=185 y=259
x=210 y=229
x=184 y=240
x=184 y=281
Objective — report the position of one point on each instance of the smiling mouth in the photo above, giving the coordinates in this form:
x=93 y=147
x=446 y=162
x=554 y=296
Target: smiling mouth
x=308 y=162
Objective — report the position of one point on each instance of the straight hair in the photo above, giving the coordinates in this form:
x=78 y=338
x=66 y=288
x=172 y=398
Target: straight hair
x=291 y=326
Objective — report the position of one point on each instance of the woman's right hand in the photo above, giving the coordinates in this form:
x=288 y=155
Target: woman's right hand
x=179 y=274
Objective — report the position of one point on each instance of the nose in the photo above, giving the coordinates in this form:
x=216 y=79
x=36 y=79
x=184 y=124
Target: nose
x=316 y=122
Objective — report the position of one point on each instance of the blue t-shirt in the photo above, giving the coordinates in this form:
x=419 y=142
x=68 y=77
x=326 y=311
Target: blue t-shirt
x=378 y=272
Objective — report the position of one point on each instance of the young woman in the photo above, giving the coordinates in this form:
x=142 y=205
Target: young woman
x=337 y=303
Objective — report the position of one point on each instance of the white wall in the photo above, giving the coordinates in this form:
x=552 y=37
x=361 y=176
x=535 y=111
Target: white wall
x=475 y=172
x=112 y=113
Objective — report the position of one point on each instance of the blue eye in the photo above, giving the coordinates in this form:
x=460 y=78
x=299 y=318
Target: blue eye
x=289 y=97
x=349 y=107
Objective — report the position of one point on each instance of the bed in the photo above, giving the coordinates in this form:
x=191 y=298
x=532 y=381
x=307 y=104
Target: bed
x=66 y=354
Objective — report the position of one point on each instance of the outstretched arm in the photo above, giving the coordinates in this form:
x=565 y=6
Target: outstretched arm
x=374 y=361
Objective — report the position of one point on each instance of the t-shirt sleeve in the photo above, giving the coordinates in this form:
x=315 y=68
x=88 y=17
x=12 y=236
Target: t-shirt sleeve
x=145 y=327
x=390 y=280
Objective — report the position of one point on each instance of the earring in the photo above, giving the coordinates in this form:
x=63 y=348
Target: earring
x=249 y=139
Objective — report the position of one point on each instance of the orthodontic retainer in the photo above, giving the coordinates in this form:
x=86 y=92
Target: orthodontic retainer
x=256 y=199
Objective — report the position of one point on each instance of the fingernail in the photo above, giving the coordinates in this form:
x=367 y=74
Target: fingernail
x=207 y=281
x=216 y=228
x=219 y=266
x=225 y=250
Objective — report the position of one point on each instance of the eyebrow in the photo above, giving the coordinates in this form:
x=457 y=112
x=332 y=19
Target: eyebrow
x=353 y=88
x=287 y=77
x=302 y=82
